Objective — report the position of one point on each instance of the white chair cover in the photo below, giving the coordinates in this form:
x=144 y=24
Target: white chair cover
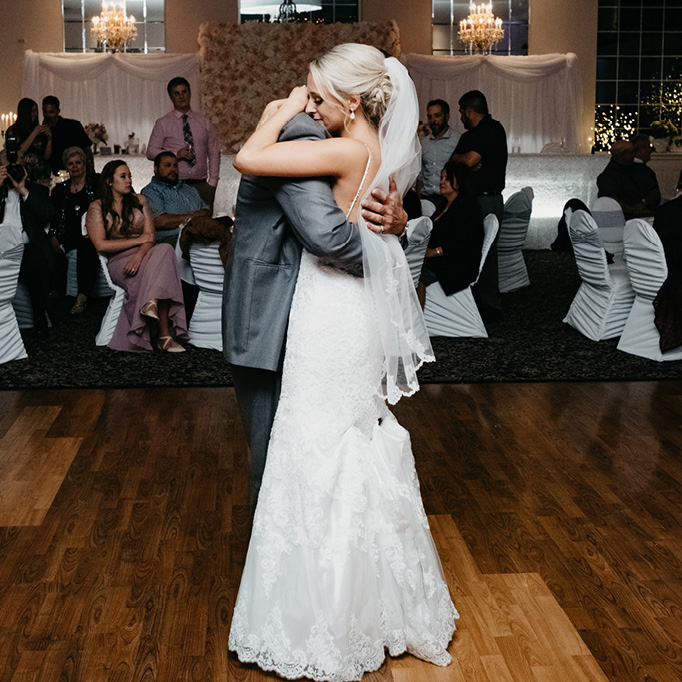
x=608 y=215
x=11 y=343
x=428 y=208
x=645 y=260
x=457 y=314
x=512 y=271
x=605 y=297
x=205 y=327
x=101 y=288
x=418 y=234
x=113 y=312
x=23 y=309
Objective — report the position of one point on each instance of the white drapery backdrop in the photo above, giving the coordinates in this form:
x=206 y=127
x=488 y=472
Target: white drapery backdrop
x=125 y=92
x=538 y=99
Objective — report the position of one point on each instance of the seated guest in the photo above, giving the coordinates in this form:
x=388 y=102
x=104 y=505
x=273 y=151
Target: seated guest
x=121 y=226
x=25 y=210
x=35 y=141
x=172 y=202
x=71 y=200
x=66 y=132
x=563 y=241
x=647 y=179
x=628 y=186
x=437 y=148
x=668 y=301
x=454 y=254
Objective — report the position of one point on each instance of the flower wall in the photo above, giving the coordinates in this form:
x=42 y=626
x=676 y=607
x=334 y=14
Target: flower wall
x=244 y=66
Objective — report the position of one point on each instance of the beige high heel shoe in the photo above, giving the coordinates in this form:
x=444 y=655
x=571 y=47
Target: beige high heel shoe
x=170 y=345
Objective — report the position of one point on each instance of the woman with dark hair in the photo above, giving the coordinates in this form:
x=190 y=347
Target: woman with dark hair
x=35 y=141
x=454 y=254
x=121 y=226
x=71 y=200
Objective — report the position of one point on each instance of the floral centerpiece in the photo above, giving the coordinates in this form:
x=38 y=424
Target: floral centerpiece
x=97 y=133
x=664 y=128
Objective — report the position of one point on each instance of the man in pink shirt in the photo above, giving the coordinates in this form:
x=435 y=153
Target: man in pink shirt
x=192 y=138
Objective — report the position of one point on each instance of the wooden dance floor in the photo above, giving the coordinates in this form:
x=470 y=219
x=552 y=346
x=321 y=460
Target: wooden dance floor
x=557 y=510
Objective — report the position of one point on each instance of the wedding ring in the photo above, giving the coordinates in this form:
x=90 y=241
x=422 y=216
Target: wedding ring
x=382 y=229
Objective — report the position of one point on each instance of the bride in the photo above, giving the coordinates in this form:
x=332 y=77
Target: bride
x=341 y=565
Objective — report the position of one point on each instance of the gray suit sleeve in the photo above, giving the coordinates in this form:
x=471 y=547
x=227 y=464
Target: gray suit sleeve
x=309 y=205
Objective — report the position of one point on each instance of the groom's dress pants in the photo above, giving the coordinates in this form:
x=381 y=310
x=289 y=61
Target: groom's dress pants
x=257 y=392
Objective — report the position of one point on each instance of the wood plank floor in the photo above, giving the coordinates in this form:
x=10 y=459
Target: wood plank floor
x=557 y=510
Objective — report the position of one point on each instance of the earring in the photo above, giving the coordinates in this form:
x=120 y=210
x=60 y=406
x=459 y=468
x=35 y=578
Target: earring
x=352 y=115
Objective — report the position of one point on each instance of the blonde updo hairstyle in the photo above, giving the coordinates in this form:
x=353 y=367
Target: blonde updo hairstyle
x=354 y=69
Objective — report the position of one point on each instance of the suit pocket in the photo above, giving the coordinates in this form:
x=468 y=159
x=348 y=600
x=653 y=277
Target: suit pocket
x=270 y=290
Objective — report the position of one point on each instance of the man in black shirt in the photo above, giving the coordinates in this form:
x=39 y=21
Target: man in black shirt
x=66 y=132
x=630 y=184
x=483 y=148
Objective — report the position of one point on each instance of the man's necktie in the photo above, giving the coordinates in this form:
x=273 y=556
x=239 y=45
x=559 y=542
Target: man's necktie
x=187 y=134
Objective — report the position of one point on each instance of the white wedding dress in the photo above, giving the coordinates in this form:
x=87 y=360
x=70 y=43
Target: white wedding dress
x=341 y=565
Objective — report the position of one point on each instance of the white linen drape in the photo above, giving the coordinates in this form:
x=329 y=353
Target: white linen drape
x=538 y=99
x=125 y=92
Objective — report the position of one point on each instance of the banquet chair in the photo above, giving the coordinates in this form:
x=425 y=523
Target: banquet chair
x=205 y=327
x=11 y=343
x=457 y=314
x=645 y=260
x=512 y=271
x=101 y=288
x=428 y=208
x=608 y=215
x=23 y=308
x=603 y=301
x=418 y=234
x=113 y=311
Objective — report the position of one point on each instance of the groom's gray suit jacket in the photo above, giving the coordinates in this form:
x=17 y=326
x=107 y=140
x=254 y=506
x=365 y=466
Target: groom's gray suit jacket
x=274 y=219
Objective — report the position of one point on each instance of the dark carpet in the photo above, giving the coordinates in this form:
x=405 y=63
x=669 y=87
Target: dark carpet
x=530 y=344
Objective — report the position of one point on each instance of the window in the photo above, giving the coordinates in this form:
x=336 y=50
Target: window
x=448 y=13
x=149 y=17
x=331 y=11
x=639 y=65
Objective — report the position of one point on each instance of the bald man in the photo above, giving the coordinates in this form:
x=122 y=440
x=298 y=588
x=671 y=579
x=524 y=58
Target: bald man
x=624 y=183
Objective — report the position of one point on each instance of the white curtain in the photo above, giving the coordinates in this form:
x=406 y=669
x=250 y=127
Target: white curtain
x=538 y=99
x=125 y=92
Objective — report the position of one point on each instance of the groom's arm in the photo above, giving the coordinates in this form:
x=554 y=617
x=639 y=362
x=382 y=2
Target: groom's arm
x=318 y=223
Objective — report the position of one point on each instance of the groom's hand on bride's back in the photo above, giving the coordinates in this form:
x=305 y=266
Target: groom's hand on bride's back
x=383 y=212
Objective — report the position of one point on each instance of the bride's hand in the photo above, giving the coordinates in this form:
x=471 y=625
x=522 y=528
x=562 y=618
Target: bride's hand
x=298 y=98
x=270 y=110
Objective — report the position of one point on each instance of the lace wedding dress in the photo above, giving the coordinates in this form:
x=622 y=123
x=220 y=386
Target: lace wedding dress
x=341 y=565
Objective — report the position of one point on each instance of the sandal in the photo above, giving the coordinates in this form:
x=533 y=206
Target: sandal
x=79 y=306
x=150 y=310
x=168 y=344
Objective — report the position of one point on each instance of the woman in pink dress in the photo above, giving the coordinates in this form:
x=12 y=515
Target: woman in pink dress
x=120 y=225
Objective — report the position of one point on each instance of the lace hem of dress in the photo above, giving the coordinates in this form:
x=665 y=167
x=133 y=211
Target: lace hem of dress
x=322 y=661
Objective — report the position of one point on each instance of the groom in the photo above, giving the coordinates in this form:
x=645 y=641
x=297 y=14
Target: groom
x=274 y=219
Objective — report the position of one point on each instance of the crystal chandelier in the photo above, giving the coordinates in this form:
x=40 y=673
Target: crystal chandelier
x=480 y=30
x=112 y=28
